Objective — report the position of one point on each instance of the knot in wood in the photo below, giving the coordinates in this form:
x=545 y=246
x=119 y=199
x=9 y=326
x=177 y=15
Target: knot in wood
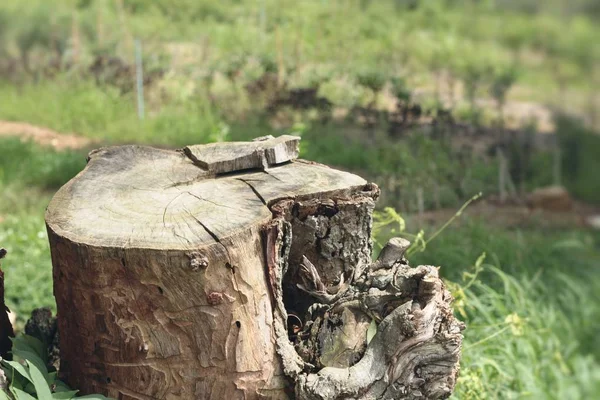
x=197 y=261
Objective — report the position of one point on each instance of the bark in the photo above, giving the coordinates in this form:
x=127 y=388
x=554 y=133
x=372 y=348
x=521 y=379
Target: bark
x=6 y=329
x=234 y=271
x=43 y=326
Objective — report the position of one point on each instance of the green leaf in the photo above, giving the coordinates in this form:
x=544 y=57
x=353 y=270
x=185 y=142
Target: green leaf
x=31 y=344
x=60 y=386
x=15 y=379
x=480 y=260
x=371 y=331
x=21 y=395
x=34 y=358
x=28 y=387
x=3 y=395
x=20 y=369
x=65 y=395
x=39 y=381
x=51 y=378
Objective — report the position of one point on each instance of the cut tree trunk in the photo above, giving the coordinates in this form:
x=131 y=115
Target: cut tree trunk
x=234 y=271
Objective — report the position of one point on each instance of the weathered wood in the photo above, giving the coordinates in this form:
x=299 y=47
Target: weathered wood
x=262 y=153
x=174 y=282
x=416 y=349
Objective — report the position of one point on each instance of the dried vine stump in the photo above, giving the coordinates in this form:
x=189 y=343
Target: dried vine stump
x=235 y=271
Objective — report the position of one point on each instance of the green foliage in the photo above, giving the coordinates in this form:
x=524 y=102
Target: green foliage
x=372 y=79
x=26 y=171
x=503 y=79
x=29 y=377
x=530 y=330
x=27 y=267
x=474 y=71
x=400 y=89
x=101 y=112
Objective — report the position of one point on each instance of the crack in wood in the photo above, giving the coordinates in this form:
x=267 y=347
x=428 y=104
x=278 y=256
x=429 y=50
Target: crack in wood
x=254 y=190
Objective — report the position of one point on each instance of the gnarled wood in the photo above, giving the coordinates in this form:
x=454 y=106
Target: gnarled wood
x=175 y=282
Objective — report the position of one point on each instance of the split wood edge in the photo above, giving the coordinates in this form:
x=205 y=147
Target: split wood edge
x=262 y=153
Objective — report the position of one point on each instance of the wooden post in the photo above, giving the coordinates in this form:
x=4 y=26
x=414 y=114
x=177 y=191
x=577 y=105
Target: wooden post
x=233 y=270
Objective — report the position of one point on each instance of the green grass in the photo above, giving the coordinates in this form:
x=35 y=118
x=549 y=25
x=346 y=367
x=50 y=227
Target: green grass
x=27 y=164
x=531 y=306
x=519 y=344
x=406 y=40
x=27 y=267
x=28 y=176
x=74 y=105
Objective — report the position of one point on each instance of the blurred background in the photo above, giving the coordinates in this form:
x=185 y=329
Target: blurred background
x=435 y=101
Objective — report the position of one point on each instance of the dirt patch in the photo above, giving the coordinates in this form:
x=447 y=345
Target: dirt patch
x=43 y=136
x=515 y=216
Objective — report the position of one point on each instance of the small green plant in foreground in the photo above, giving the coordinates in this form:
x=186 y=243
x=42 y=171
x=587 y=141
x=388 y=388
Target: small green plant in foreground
x=29 y=377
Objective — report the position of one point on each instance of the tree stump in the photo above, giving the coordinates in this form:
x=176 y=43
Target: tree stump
x=235 y=271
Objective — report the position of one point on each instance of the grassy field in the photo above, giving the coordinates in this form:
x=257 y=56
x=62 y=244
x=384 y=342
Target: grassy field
x=228 y=70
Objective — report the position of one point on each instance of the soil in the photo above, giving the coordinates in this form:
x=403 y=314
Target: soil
x=43 y=136
x=516 y=216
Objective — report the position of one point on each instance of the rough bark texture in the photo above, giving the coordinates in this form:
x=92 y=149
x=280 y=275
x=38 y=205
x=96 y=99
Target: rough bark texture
x=415 y=351
x=43 y=326
x=173 y=280
x=6 y=329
